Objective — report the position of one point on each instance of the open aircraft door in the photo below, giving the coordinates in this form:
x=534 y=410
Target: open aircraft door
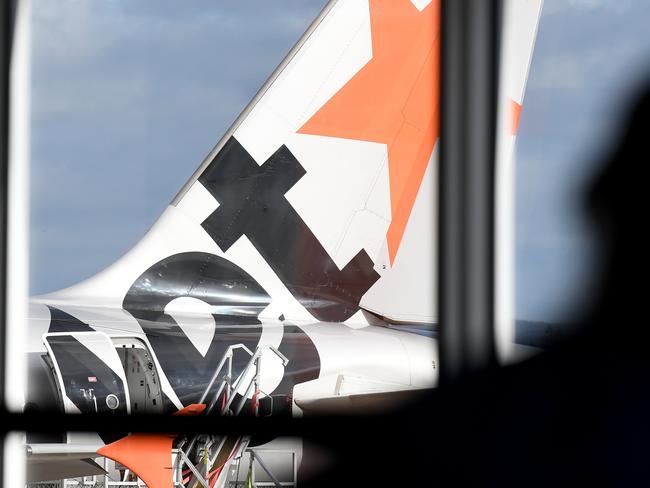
x=89 y=374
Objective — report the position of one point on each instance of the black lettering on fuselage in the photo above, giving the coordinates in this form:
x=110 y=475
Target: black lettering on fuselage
x=237 y=300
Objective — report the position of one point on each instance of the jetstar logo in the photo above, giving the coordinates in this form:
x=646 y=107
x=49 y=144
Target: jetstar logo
x=393 y=100
x=252 y=202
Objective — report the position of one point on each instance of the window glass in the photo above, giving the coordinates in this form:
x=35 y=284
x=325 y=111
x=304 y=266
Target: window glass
x=282 y=237
x=127 y=100
x=589 y=61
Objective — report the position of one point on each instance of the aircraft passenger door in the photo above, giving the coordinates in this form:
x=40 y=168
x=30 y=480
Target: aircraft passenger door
x=142 y=380
x=89 y=373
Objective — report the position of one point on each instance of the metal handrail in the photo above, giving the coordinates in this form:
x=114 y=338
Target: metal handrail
x=230 y=390
x=244 y=397
x=228 y=354
x=256 y=457
x=240 y=380
x=216 y=397
x=253 y=360
x=193 y=468
x=227 y=357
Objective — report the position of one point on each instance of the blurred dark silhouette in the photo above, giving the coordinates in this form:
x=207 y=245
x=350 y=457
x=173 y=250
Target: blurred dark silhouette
x=577 y=415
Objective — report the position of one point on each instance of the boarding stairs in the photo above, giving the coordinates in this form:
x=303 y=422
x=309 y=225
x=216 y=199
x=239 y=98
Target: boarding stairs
x=204 y=460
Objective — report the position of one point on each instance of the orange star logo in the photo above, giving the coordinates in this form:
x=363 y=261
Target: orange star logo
x=393 y=100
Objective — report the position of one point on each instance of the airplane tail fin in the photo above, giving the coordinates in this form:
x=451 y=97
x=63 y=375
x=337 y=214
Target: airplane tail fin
x=319 y=200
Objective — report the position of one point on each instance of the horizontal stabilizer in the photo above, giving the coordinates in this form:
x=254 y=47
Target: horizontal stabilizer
x=57 y=461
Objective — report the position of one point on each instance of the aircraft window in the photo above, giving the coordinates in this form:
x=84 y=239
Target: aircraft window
x=588 y=64
x=305 y=239
x=290 y=270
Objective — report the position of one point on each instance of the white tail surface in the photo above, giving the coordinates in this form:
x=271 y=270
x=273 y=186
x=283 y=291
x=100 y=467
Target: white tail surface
x=320 y=199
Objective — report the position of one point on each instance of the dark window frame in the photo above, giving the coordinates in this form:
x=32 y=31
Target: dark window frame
x=470 y=33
